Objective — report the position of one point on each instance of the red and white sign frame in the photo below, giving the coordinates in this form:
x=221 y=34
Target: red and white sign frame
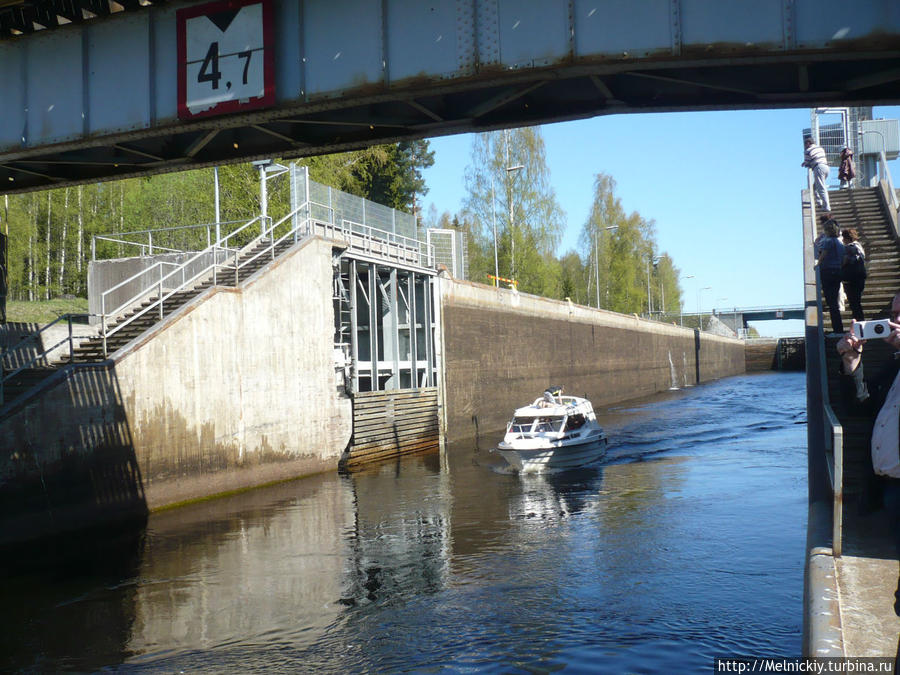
x=224 y=102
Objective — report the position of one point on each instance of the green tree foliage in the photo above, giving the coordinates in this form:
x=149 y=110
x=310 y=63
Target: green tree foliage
x=617 y=265
x=625 y=270
x=572 y=279
x=51 y=233
x=521 y=201
x=397 y=180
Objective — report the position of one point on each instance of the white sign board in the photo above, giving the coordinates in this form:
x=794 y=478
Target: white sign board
x=224 y=58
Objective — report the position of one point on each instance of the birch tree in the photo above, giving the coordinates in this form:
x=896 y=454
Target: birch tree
x=79 y=255
x=508 y=183
x=62 y=242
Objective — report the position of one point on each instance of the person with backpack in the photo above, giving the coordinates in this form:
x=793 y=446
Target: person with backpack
x=829 y=261
x=853 y=271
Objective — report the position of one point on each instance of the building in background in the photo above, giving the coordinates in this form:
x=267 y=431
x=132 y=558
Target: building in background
x=834 y=128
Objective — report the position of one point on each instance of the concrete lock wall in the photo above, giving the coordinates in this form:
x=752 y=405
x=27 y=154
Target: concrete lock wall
x=236 y=389
x=502 y=349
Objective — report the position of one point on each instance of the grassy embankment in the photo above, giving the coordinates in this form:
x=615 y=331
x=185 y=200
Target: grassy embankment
x=44 y=311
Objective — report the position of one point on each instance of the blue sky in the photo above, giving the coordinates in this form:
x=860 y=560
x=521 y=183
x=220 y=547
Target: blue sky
x=723 y=188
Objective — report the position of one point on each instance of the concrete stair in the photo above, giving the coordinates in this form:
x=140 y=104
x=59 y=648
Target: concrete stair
x=91 y=350
x=862 y=209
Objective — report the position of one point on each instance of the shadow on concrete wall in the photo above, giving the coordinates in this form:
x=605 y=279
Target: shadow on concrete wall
x=16 y=346
x=68 y=460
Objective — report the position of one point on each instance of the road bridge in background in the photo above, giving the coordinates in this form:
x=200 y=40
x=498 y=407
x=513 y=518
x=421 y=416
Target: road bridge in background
x=96 y=89
x=738 y=319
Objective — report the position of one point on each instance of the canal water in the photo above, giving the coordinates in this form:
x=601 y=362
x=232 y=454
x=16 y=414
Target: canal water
x=686 y=544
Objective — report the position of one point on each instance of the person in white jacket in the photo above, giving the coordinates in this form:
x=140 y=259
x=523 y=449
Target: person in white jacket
x=814 y=158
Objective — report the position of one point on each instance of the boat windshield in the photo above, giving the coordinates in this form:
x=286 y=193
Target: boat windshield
x=575 y=421
x=526 y=425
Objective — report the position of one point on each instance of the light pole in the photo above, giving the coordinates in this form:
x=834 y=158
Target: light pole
x=266 y=166
x=494 y=222
x=512 y=227
x=652 y=260
x=688 y=276
x=218 y=218
x=662 y=295
x=699 y=316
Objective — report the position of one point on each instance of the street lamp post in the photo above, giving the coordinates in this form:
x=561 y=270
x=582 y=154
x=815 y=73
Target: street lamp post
x=266 y=167
x=662 y=294
x=688 y=276
x=218 y=213
x=494 y=222
x=512 y=225
x=699 y=316
x=652 y=260
x=512 y=222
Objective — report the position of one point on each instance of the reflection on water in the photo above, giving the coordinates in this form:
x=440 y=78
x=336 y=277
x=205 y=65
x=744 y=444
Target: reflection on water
x=687 y=543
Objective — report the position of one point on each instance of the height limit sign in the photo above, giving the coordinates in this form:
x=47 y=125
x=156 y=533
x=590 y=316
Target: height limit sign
x=225 y=58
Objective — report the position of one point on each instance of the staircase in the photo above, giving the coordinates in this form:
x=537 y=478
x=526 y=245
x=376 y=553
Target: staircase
x=862 y=209
x=91 y=350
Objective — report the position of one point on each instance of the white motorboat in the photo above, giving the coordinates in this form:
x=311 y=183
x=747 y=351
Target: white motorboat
x=554 y=432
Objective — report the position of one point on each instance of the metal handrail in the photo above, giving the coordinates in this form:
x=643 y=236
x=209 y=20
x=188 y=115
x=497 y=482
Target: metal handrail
x=133 y=277
x=890 y=194
x=832 y=430
x=150 y=246
x=166 y=285
x=370 y=234
x=158 y=284
x=268 y=234
x=43 y=354
x=885 y=173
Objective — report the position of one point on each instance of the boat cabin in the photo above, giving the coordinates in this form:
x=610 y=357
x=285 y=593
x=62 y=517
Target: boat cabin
x=537 y=424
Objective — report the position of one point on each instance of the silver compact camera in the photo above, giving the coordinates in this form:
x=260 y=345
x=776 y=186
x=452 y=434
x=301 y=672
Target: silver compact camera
x=867 y=330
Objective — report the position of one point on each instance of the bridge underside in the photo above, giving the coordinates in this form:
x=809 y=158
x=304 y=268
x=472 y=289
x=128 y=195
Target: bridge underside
x=554 y=94
x=109 y=95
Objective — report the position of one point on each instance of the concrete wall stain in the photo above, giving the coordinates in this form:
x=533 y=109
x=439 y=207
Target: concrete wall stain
x=223 y=396
x=501 y=349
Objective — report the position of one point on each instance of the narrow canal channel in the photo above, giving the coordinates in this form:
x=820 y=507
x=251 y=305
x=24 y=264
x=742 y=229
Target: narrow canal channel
x=688 y=543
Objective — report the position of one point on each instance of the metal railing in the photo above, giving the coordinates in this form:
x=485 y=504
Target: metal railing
x=890 y=193
x=151 y=247
x=227 y=257
x=372 y=241
x=166 y=279
x=41 y=352
x=164 y=284
x=825 y=442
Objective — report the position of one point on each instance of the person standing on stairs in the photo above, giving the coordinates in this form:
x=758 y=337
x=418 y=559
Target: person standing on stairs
x=846 y=171
x=830 y=261
x=854 y=271
x=814 y=158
